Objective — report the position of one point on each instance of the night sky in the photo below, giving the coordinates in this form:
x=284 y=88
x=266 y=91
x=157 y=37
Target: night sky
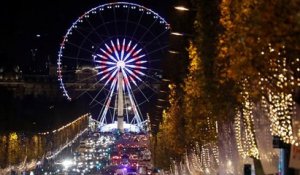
x=22 y=22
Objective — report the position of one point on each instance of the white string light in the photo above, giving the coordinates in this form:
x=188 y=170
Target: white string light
x=244 y=131
x=280 y=106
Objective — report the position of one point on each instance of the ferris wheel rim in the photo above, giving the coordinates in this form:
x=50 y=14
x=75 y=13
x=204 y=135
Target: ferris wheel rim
x=85 y=38
x=69 y=31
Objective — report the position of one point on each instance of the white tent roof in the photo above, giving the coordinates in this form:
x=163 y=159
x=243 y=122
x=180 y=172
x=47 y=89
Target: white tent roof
x=113 y=126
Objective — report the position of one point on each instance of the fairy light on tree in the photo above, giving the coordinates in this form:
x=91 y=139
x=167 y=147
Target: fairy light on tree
x=278 y=102
x=244 y=130
x=280 y=113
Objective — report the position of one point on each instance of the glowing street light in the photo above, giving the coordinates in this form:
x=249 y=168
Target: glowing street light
x=181 y=34
x=165 y=80
x=173 y=52
x=177 y=34
x=181 y=8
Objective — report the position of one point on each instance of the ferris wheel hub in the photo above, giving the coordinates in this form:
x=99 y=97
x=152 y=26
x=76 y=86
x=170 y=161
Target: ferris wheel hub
x=121 y=64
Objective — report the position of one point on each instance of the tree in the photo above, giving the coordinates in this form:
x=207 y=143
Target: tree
x=200 y=120
x=256 y=35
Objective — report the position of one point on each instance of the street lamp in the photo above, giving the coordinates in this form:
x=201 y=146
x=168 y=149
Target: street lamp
x=181 y=8
x=177 y=34
x=173 y=52
x=181 y=34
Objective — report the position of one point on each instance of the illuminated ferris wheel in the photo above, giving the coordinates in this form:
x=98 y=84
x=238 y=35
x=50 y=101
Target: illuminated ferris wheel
x=112 y=55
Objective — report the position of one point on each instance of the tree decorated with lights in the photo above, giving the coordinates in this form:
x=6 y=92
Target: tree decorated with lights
x=262 y=50
x=170 y=141
x=244 y=129
x=199 y=118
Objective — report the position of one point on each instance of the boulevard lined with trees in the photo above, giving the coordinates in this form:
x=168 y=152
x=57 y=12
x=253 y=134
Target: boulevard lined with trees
x=244 y=67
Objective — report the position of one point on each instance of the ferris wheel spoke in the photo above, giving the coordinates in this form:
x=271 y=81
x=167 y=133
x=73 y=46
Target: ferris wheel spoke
x=123 y=49
x=97 y=101
x=136 y=67
x=107 y=103
x=114 y=113
x=94 y=29
x=135 y=53
x=157 y=80
x=101 y=67
x=85 y=37
x=87 y=78
x=147 y=31
x=106 y=29
x=107 y=70
x=154 y=61
x=132 y=73
x=109 y=55
x=115 y=49
x=132 y=102
x=108 y=48
x=95 y=97
x=154 y=70
x=129 y=53
x=115 y=23
x=77 y=58
x=133 y=81
x=135 y=58
x=100 y=115
x=139 y=72
x=158 y=36
x=79 y=47
x=137 y=110
x=136 y=84
x=136 y=26
x=111 y=77
x=109 y=63
x=111 y=114
x=159 y=49
x=102 y=102
x=143 y=94
x=96 y=104
x=125 y=34
x=147 y=85
x=128 y=46
x=89 y=89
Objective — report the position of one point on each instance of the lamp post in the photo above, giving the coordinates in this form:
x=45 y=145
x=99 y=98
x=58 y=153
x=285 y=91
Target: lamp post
x=181 y=8
x=173 y=52
x=176 y=33
x=181 y=34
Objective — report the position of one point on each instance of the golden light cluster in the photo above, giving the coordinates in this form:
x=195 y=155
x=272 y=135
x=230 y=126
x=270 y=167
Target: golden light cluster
x=65 y=126
x=280 y=113
x=205 y=157
x=244 y=131
x=209 y=156
x=279 y=105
